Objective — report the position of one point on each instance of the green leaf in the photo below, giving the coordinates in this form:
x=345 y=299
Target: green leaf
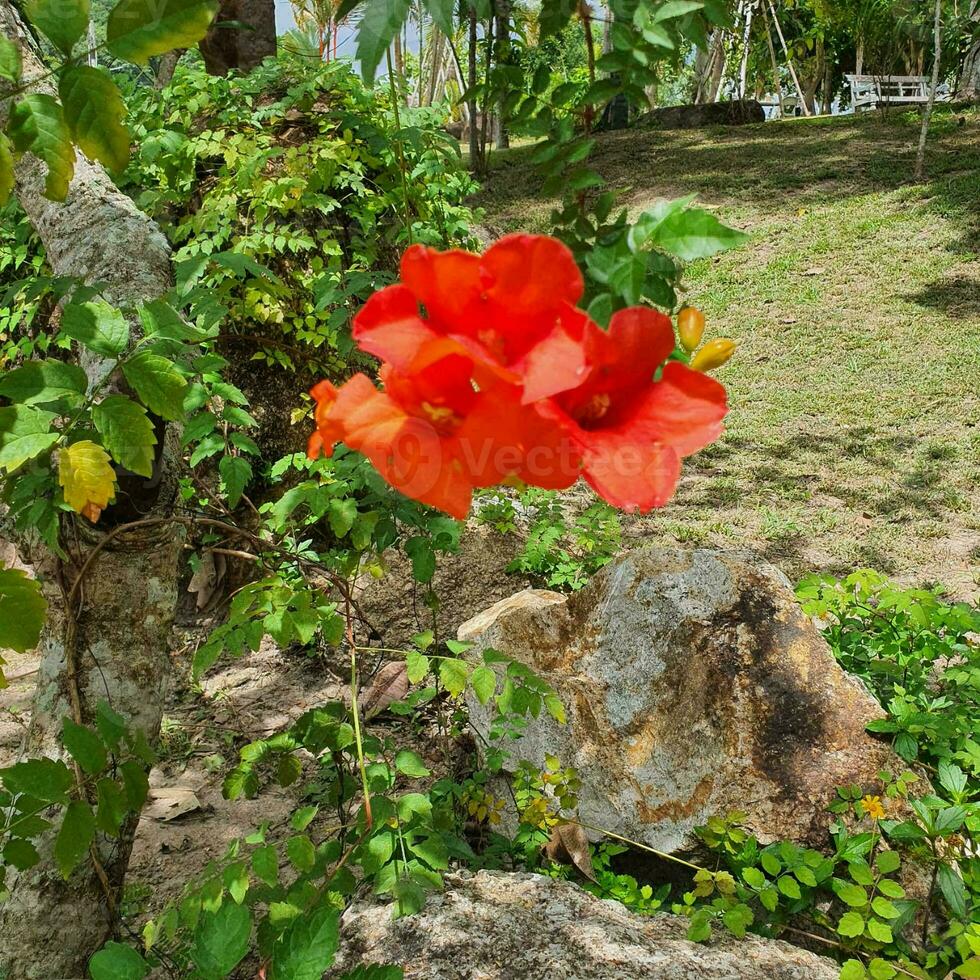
x=25 y=432
x=22 y=610
x=851 y=924
x=695 y=234
x=265 y=864
x=301 y=852
x=10 y=60
x=484 y=682
x=342 y=515
x=970 y=970
x=676 y=8
x=76 y=834
x=416 y=666
x=235 y=472
x=789 y=886
x=63 y=21
x=44 y=779
x=221 y=940
x=96 y=325
x=381 y=20
x=453 y=675
x=879 y=969
x=116 y=961
x=44 y=382
x=853 y=970
x=112 y=807
x=158 y=383
x=892 y=889
x=94 y=110
x=953 y=889
x=37 y=125
x=423 y=558
x=879 y=931
x=753 y=877
x=6 y=166
x=306 y=949
x=884 y=908
x=20 y=854
x=888 y=861
x=126 y=432
x=853 y=895
x=84 y=746
x=303 y=817
x=141 y=29
x=442 y=13
x=410 y=764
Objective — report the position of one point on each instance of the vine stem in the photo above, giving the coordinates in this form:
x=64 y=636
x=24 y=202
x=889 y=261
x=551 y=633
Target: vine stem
x=355 y=712
x=398 y=144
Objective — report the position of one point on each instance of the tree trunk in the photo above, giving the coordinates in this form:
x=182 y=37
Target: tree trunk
x=227 y=48
x=502 y=8
x=50 y=927
x=827 y=90
x=475 y=163
x=746 y=39
x=859 y=57
x=969 y=83
x=920 y=157
x=166 y=67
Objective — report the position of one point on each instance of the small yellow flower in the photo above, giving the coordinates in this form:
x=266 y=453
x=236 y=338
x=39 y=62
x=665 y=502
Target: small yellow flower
x=873 y=807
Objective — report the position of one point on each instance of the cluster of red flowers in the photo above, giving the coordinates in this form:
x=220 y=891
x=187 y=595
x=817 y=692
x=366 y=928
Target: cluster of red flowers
x=502 y=378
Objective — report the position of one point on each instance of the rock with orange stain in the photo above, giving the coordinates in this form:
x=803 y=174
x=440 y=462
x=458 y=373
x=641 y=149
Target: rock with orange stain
x=694 y=685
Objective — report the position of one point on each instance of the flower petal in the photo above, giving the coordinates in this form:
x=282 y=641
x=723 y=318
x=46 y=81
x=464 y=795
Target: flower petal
x=630 y=475
x=684 y=409
x=531 y=274
x=559 y=361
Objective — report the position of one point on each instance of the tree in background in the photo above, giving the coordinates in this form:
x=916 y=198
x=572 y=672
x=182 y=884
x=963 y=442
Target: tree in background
x=243 y=33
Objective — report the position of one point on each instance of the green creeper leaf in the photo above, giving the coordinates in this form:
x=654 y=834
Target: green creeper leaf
x=116 y=961
x=96 y=325
x=112 y=807
x=265 y=864
x=94 y=110
x=433 y=851
x=84 y=746
x=45 y=779
x=307 y=947
x=136 y=783
x=141 y=29
x=37 y=125
x=20 y=854
x=10 y=60
x=342 y=515
x=44 y=382
x=771 y=863
x=158 y=383
x=416 y=665
x=303 y=817
x=769 y=897
x=6 y=166
x=884 y=908
x=381 y=20
x=879 y=969
x=879 y=931
x=126 y=432
x=221 y=939
x=423 y=558
x=76 y=834
x=235 y=472
x=753 y=877
x=64 y=22
x=789 y=887
x=410 y=764
x=453 y=675
x=851 y=924
x=892 y=889
x=888 y=861
x=22 y=610
x=694 y=234
x=484 y=682
x=301 y=852
x=853 y=970
x=853 y=895
x=25 y=433
x=970 y=969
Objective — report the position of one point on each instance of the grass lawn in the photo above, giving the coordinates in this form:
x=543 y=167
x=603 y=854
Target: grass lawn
x=854 y=434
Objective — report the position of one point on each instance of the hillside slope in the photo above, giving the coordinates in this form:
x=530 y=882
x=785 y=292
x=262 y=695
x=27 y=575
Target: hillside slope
x=854 y=435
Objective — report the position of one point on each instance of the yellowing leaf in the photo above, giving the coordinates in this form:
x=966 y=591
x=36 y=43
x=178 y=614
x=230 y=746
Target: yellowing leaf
x=87 y=479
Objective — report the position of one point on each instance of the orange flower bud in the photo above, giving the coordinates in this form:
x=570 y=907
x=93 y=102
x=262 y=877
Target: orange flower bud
x=690 y=327
x=713 y=354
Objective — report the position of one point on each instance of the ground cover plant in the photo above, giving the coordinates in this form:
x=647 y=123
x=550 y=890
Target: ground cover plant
x=310 y=225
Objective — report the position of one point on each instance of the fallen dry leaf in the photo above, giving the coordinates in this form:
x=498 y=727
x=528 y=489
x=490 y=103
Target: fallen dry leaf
x=170 y=802
x=389 y=685
x=569 y=845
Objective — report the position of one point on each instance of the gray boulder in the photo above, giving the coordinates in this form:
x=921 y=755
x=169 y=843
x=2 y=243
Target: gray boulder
x=694 y=685
x=503 y=926
x=738 y=112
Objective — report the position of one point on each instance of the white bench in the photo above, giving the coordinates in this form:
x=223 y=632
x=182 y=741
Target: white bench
x=870 y=91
